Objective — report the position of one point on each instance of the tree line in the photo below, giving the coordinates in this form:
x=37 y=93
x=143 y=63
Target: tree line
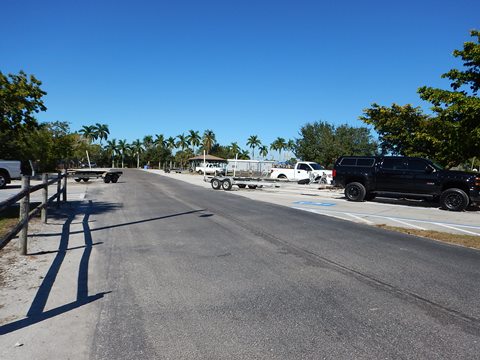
x=449 y=135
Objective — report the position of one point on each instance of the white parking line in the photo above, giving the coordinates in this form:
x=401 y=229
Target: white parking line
x=407 y=224
x=360 y=218
x=457 y=229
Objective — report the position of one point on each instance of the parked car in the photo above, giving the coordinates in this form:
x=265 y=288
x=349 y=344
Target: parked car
x=303 y=170
x=9 y=170
x=209 y=168
x=365 y=177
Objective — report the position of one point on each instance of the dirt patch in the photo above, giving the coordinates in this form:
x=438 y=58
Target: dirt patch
x=470 y=241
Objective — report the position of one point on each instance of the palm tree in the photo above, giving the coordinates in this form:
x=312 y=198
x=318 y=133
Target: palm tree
x=253 y=141
x=278 y=144
x=171 y=144
x=137 y=148
x=263 y=150
x=234 y=148
x=182 y=142
x=160 y=143
x=291 y=146
x=102 y=131
x=244 y=155
x=123 y=147
x=89 y=132
x=148 y=141
x=208 y=140
x=112 y=148
x=194 y=139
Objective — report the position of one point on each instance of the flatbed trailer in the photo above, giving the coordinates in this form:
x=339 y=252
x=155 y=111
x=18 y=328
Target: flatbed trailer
x=108 y=175
x=227 y=182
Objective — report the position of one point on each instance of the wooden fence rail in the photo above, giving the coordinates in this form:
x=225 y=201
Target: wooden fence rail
x=25 y=214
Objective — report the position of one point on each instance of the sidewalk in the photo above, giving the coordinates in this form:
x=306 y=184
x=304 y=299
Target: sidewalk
x=44 y=293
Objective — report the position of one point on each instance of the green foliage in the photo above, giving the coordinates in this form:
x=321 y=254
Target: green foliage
x=20 y=98
x=452 y=133
x=323 y=143
x=402 y=130
x=253 y=142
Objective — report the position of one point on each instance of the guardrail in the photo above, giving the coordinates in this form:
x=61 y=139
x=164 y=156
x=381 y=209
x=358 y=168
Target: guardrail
x=25 y=214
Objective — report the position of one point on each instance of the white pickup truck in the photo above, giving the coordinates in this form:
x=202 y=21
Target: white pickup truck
x=303 y=170
x=9 y=170
x=209 y=168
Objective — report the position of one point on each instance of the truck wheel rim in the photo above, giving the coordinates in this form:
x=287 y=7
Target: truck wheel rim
x=353 y=191
x=2 y=181
x=453 y=201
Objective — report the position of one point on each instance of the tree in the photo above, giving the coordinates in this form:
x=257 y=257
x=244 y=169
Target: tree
x=208 y=140
x=182 y=142
x=102 y=131
x=137 y=147
x=20 y=98
x=234 y=149
x=451 y=134
x=161 y=145
x=123 y=148
x=323 y=143
x=89 y=133
x=171 y=144
x=278 y=144
x=253 y=142
x=112 y=149
x=291 y=146
x=194 y=139
x=263 y=151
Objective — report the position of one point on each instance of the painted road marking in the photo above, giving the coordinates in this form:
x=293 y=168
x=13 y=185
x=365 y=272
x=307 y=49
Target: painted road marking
x=314 y=203
x=457 y=227
x=405 y=223
x=454 y=228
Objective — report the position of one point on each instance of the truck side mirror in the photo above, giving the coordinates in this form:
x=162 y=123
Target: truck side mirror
x=428 y=169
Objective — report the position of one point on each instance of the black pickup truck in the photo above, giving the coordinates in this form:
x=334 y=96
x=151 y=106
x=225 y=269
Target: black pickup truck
x=365 y=177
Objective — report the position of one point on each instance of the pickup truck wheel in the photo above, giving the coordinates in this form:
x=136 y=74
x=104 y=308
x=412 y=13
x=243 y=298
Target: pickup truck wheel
x=200 y=172
x=216 y=184
x=454 y=200
x=226 y=185
x=3 y=180
x=281 y=176
x=355 y=191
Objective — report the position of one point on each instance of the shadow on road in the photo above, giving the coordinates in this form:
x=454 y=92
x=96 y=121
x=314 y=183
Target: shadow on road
x=37 y=312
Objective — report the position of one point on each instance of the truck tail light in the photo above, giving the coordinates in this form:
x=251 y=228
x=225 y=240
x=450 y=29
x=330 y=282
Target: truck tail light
x=334 y=173
x=477 y=181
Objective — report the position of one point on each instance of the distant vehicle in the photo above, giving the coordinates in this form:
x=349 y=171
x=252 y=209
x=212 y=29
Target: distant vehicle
x=9 y=170
x=209 y=168
x=365 y=177
x=303 y=170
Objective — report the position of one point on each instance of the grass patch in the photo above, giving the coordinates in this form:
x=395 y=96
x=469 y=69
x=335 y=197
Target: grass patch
x=8 y=219
x=458 y=239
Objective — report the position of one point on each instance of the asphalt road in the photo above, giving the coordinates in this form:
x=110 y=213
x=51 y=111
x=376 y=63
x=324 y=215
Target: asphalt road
x=194 y=273
x=155 y=268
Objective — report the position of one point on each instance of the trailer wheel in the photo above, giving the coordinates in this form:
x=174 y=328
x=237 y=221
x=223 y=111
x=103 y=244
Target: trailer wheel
x=216 y=184
x=114 y=178
x=242 y=186
x=107 y=179
x=85 y=179
x=226 y=185
x=77 y=180
x=252 y=186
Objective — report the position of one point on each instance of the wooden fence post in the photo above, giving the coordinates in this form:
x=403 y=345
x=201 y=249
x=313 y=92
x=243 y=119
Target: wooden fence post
x=45 y=198
x=24 y=210
x=59 y=187
x=64 y=192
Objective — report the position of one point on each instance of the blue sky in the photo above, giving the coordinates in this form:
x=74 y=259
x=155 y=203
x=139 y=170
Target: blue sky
x=239 y=68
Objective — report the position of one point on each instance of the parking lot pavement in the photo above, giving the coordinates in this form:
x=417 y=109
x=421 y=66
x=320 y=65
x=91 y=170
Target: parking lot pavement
x=411 y=214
